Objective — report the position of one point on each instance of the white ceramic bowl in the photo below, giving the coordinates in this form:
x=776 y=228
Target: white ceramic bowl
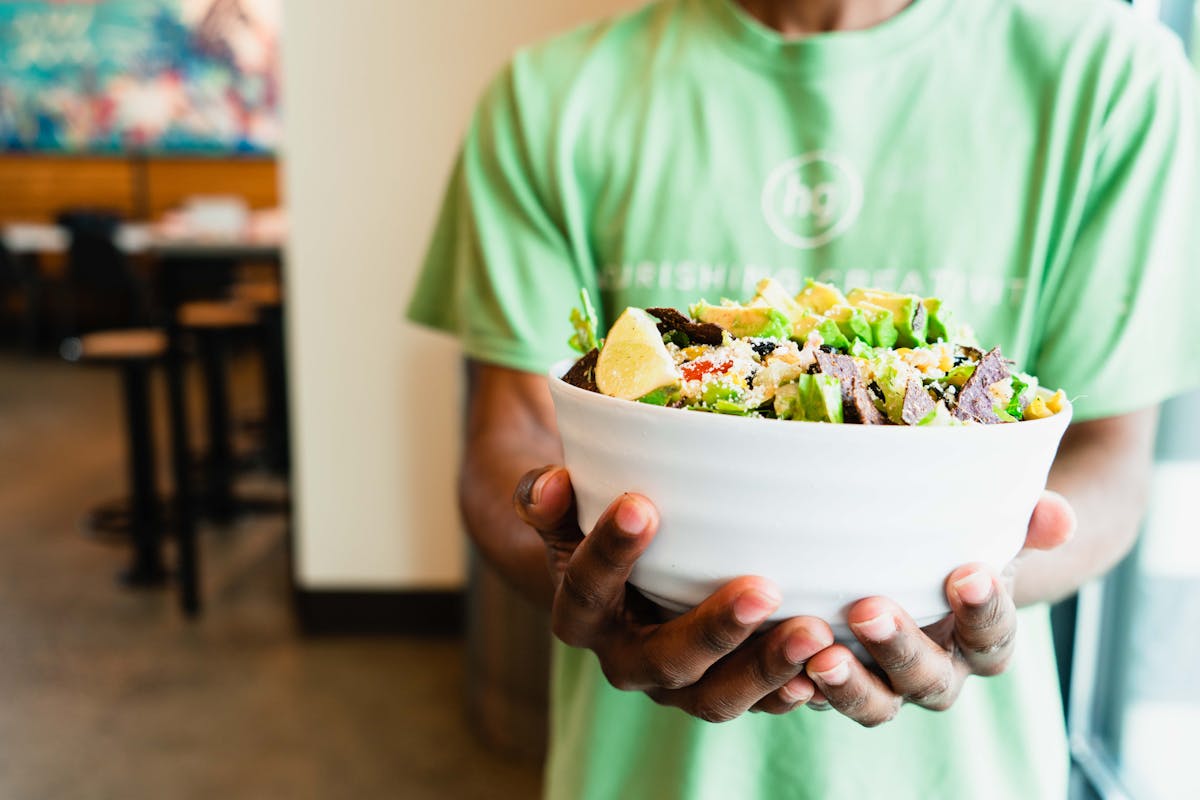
x=830 y=513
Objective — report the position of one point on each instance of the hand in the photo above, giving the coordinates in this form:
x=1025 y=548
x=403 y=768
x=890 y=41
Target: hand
x=709 y=661
x=928 y=666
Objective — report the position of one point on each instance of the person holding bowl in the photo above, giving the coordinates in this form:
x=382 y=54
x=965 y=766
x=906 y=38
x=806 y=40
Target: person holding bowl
x=1035 y=165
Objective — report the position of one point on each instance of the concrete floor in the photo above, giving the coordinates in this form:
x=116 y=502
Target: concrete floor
x=108 y=693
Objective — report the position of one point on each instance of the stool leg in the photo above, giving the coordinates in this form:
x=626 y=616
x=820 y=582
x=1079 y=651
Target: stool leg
x=145 y=520
x=219 y=464
x=274 y=372
x=181 y=471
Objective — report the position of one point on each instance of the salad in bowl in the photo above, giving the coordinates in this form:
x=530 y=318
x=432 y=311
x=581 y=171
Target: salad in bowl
x=847 y=445
x=868 y=357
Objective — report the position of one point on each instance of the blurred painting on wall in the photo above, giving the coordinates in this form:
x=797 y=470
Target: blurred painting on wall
x=89 y=76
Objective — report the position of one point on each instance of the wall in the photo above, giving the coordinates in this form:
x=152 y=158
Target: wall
x=376 y=96
x=36 y=187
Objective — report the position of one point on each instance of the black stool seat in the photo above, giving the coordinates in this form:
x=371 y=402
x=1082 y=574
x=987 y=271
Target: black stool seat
x=134 y=350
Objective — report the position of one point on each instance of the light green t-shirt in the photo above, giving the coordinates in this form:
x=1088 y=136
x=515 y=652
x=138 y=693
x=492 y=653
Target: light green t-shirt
x=1035 y=164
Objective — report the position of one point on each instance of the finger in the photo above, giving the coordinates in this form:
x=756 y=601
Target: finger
x=818 y=701
x=592 y=590
x=851 y=688
x=1052 y=524
x=788 y=697
x=545 y=501
x=917 y=668
x=738 y=682
x=985 y=619
x=677 y=653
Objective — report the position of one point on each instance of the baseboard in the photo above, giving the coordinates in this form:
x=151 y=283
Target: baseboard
x=415 y=613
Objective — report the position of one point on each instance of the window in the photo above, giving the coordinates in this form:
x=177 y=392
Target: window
x=1130 y=677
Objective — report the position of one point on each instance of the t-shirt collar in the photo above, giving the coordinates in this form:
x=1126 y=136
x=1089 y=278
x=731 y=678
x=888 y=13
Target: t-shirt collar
x=823 y=52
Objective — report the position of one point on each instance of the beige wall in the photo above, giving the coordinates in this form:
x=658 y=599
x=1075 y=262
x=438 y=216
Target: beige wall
x=376 y=95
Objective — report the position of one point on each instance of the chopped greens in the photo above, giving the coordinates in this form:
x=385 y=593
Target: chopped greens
x=585 y=323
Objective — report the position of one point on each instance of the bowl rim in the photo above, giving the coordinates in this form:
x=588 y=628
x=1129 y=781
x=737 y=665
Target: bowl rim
x=560 y=368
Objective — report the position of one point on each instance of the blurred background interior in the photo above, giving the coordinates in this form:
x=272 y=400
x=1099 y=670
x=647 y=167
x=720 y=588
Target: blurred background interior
x=230 y=561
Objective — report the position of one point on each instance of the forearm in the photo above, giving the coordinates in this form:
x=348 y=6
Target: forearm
x=490 y=473
x=510 y=430
x=1103 y=470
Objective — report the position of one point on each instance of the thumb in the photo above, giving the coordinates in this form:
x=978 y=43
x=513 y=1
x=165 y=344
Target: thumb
x=1053 y=522
x=545 y=501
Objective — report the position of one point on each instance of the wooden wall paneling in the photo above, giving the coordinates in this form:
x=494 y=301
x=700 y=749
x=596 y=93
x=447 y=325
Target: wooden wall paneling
x=169 y=181
x=36 y=188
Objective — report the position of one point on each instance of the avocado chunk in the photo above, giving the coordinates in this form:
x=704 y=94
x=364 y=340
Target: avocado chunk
x=959 y=375
x=785 y=401
x=853 y=324
x=908 y=313
x=905 y=400
x=820 y=398
x=762 y=322
x=723 y=397
x=883 y=330
x=936 y=327
x=771 y=292
x=827 y=328
x=811 y=398
x=820 y=297
x=663 y=396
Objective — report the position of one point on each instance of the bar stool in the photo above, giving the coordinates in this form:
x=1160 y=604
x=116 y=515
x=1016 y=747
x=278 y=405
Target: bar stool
x=134 y=351
x=213 y=324
x=267 y=298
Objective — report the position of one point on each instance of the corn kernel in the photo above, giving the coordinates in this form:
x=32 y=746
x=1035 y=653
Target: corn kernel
x=1037 y=409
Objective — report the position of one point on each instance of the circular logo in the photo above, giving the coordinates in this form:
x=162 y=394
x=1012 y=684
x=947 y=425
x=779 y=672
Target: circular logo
x=812 y=199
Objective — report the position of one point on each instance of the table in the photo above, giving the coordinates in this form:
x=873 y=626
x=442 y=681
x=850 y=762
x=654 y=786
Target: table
x=263 y=237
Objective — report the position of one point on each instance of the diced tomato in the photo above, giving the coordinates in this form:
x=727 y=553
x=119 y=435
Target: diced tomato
x=696 y=370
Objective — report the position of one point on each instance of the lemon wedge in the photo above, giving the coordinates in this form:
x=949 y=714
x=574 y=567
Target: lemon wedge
x=634 y=361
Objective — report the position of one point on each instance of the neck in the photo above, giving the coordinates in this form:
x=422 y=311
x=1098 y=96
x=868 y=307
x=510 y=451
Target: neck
x=805 y=17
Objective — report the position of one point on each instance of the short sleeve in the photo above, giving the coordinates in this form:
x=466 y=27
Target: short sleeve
x=1122 y=320
x=501 y=273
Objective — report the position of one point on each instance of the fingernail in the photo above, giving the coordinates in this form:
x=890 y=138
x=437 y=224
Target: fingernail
x=795 y=690
x=798 y=648
x=877 y=629
x=974 y=589
x=632 y=516
x=535 y=494
x=754 y=606
x=835 y=676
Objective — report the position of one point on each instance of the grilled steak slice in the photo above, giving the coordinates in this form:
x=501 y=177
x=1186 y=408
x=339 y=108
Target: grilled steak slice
x=698 y=332
x=583 y=373
x=857 y=405
x=975 y=402
x=917 y=402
